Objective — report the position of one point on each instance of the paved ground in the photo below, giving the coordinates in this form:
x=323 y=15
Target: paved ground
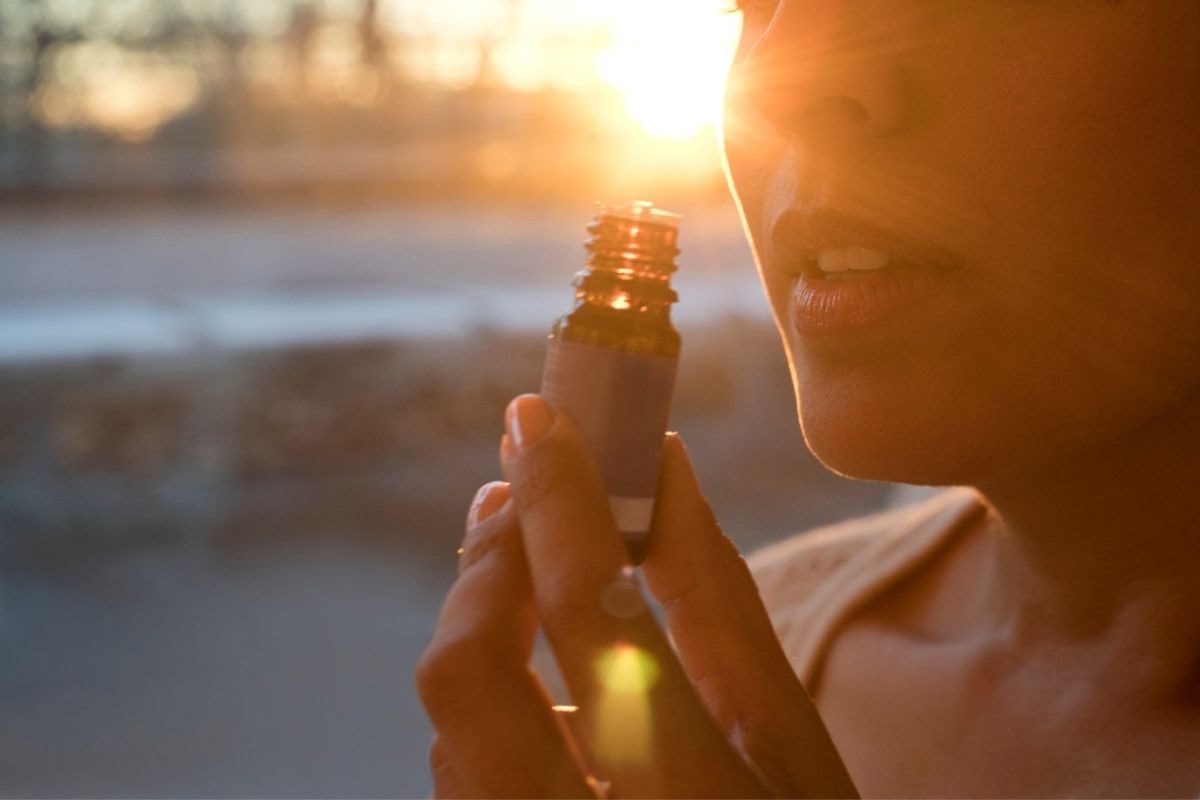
x=168 y=674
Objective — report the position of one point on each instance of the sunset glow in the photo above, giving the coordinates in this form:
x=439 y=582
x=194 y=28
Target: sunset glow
x=668 y=60
x=665 y=59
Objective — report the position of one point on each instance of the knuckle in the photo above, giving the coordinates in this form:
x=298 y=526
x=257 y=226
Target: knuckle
x=498 y=537
x=542 y=472
x=445 y=778
x=556 y=469
x=679 y=594
x=715 y=687
x=771 y=753
x=447 y=672
x=757 y=740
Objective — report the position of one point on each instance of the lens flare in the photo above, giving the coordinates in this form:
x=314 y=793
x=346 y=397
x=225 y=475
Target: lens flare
x=623 y=732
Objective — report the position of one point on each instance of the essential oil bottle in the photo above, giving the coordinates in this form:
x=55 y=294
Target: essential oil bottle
x=610 y=362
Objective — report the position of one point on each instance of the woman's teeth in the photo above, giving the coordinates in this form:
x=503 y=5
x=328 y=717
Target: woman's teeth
x=847 y=259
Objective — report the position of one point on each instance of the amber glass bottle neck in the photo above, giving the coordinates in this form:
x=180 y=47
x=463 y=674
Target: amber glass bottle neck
x=626 y=297
x=623 y=294
x=636 y=241
x=631 y=255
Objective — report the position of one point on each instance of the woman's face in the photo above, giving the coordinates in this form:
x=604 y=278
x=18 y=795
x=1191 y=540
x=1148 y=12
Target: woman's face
x=1029 y=170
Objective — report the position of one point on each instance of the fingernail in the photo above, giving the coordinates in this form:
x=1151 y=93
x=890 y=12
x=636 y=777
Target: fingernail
x=488 y=500
x=527 y=420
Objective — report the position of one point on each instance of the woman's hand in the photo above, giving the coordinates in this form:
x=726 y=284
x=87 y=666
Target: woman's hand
x=720 y=714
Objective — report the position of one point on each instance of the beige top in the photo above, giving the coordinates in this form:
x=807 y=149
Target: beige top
x=812 y=583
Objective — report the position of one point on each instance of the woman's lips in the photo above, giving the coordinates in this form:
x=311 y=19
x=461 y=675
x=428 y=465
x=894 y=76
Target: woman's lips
x=848 y=300
x=848 y=275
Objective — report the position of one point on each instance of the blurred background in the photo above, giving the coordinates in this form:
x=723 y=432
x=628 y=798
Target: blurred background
x=269 y=273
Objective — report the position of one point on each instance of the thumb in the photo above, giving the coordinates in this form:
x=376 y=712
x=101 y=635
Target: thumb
x=727 y=644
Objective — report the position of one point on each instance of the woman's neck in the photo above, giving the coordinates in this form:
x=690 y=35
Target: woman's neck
x=1106 y=553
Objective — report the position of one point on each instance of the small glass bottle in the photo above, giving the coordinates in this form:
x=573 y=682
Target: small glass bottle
x=610 y=362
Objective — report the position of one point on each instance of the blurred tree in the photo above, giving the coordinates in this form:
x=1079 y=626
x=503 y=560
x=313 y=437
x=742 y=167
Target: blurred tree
x=301 y=33
x=34 y=165
x=214 y=92
x=374 y=43
x=510 y=20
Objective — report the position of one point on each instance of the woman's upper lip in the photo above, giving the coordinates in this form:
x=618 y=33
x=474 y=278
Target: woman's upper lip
x=797 y=236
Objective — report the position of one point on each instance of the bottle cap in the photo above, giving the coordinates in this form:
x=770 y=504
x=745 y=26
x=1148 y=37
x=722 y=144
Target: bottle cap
x=642 y=211
x=634 y=239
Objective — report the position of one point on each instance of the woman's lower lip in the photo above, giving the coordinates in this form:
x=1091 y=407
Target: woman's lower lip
x=821 y=305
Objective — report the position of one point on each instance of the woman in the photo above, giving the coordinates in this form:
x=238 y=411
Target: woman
x=975 y=223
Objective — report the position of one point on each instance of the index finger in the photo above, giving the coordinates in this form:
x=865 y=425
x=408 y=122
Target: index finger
x=604 y=637
x=492 y=715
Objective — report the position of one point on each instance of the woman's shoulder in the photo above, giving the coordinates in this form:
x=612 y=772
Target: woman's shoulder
x=809 y=582
x=790 y=569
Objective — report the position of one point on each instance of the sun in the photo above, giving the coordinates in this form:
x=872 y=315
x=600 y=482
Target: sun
x=668 y=59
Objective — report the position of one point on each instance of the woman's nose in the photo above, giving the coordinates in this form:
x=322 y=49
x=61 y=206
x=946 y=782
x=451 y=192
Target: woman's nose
x=826 y=72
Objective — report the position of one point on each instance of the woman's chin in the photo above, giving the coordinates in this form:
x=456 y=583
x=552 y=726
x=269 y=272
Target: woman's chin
x=895 y=445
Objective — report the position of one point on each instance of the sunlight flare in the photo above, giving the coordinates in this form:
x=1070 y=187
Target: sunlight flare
x=623 y=732
x=668 y=61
